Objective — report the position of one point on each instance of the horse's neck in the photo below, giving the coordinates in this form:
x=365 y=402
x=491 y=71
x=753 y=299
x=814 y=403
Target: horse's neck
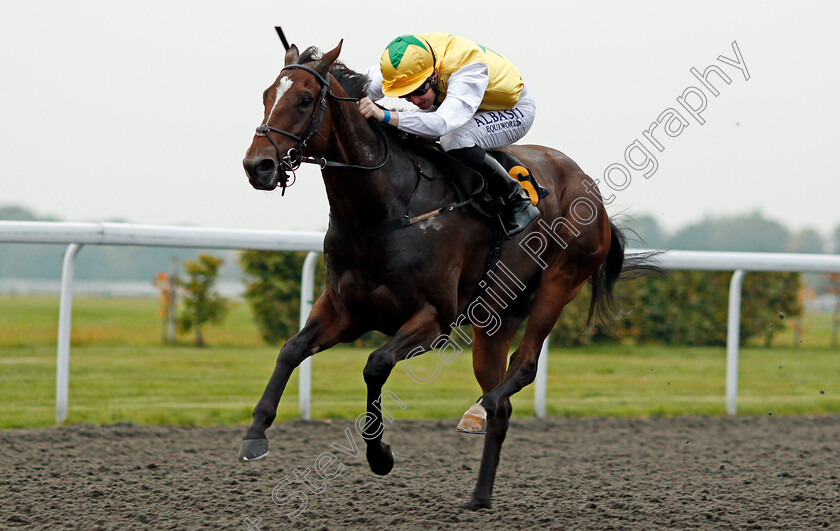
x=362 y=197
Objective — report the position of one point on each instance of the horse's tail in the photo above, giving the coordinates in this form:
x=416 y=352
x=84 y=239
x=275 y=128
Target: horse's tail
x=614 y=267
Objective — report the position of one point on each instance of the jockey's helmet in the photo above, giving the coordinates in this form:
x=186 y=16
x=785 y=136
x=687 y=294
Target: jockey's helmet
x=406 y=64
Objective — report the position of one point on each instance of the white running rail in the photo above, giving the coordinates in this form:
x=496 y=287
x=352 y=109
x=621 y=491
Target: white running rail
x=78 y=234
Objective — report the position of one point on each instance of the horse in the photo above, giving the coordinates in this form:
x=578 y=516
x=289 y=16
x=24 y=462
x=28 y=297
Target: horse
x=418 y=278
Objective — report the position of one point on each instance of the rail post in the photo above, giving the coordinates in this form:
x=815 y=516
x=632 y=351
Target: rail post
x=541 y=380
x=733 y=336
x=65 y=312
x=307 y=297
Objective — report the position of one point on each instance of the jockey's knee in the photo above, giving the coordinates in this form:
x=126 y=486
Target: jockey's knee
x=471 y=156
x=458 y=139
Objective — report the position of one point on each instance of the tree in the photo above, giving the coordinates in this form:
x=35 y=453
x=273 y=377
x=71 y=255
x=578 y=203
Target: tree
x=750 y=232
x=17 y=213
x=272 y=289
x=834 y=289
x=768 y=302
x=201 y=303
x=649 y=234
x=806 y=241
x=690 y=307
x=835 y=240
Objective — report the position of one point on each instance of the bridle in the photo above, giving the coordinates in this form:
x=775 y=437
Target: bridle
x=294 y=157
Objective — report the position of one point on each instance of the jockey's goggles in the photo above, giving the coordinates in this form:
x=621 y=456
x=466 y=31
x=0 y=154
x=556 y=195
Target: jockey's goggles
x=423 y=89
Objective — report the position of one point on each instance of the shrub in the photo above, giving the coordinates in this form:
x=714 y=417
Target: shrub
x=690 y=307
x=201 y=303
x=272 y=289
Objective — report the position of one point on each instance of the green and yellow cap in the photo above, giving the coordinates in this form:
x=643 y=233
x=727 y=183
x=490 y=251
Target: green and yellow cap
x=406 y=64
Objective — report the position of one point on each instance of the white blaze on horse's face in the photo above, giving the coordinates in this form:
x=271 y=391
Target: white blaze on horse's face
x=282 y=86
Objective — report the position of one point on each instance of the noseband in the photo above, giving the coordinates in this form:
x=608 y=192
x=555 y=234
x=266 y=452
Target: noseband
x=294 y=157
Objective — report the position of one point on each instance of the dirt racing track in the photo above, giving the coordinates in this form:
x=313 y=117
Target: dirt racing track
x=682 y=473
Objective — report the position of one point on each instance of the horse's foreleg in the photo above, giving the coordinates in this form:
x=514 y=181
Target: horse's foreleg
x=323 y=329
x=419 y=331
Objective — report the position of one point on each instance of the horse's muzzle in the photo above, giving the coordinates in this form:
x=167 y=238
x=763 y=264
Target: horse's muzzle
x=263 y=174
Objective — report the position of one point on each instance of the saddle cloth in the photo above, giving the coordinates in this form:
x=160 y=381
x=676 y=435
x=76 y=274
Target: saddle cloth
x=522 y=174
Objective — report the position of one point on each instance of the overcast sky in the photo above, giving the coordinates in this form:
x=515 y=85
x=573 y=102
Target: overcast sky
x=143 y=111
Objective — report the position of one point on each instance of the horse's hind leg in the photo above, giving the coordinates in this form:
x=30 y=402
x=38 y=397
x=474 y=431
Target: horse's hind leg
x=499 y=385
x=489 y=360
x=323 y=329
x=420 y=330
x=553 y=293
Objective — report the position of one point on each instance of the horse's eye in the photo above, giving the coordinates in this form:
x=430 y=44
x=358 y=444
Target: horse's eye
x=307 y=100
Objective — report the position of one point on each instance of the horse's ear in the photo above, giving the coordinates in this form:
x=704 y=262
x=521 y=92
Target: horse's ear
x=292 y=55
x=328 y=59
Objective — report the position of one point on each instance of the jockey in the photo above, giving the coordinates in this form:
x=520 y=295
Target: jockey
x=477 y=102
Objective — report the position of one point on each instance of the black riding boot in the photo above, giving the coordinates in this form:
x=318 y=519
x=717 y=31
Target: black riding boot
x=519 y=211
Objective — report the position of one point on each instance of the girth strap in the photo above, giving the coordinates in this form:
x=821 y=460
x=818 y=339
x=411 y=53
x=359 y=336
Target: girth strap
x=392 y=225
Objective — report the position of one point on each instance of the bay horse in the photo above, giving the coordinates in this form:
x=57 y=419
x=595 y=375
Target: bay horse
x=415 y=281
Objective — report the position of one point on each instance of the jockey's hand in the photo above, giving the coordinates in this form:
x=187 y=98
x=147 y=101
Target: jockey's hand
x=368 y=109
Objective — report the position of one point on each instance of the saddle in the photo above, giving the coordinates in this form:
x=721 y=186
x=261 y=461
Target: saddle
x=469 y=184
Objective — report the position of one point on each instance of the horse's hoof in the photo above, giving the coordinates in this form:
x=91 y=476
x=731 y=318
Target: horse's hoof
x=474 y=420
x=475 y=505
x=381 y=461
x=253 y=449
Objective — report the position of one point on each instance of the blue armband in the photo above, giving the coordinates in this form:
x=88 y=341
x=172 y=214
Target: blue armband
x=387 y=117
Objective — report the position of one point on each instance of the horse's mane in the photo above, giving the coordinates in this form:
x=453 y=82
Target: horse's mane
x=353 y=83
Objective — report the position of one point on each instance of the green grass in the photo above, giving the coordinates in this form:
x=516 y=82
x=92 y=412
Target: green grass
x=119 y=372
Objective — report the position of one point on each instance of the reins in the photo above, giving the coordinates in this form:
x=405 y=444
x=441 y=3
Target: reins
x=294 y=157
